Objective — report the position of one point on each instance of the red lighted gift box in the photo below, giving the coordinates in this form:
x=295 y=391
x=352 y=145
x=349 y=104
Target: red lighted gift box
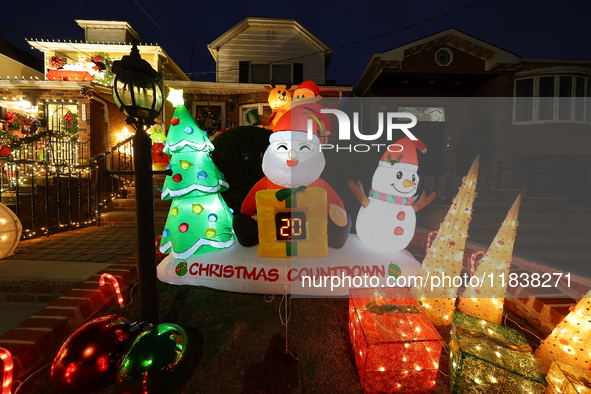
x=396 y=347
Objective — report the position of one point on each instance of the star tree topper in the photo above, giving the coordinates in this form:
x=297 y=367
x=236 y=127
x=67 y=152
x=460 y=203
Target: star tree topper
x=175 y=97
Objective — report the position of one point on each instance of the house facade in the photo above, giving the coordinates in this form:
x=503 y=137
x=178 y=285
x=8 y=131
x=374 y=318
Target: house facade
x=248 y=56
x=529 y=119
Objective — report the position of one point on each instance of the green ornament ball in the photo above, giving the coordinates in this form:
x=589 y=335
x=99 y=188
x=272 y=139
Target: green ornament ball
x=156 y=361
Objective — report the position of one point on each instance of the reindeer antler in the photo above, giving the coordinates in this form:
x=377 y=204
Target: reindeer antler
x=288 y=85
x=272 y=82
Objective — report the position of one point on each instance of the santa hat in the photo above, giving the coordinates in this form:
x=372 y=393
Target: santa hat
x=403 y=154
x=310 y=85
x=293 y=125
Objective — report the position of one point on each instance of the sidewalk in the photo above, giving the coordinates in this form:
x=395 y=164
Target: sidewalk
x=43 y=268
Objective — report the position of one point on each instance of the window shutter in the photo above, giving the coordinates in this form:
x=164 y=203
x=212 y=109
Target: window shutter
x=298 y=73
x=243 y=71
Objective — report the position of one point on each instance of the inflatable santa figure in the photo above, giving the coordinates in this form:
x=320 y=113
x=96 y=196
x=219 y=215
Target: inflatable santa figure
x=386 y=220
x=293 y=160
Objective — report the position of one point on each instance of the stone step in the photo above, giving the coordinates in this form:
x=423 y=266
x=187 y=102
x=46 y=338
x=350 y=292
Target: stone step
x=128 y=204
x=128 y=218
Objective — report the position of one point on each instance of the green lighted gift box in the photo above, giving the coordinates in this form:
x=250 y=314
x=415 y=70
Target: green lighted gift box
x=489 y=358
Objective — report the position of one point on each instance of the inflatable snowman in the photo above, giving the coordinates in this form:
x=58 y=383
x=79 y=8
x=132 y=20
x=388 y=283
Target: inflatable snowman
x=386 y=220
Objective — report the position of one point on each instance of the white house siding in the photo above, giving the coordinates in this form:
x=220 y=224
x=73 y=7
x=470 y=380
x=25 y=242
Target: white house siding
x=11 y=69
x=268 y=44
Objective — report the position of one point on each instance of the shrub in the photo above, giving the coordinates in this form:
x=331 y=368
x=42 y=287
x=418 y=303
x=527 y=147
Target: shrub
x=239 y=155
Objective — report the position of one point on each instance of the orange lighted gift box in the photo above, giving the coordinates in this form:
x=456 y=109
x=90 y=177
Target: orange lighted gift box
x=396 y=347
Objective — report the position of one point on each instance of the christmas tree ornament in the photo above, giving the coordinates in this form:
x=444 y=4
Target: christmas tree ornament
x=10 y=231
x=155 y=362
x=570 y=340
x=445 y=256
x=88 y=359
x=485 y=300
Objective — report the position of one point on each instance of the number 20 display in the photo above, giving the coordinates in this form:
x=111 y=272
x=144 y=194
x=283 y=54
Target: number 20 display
x=290 y=226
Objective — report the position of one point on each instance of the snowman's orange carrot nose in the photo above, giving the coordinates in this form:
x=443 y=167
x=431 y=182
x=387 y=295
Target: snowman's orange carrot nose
x=408 y=183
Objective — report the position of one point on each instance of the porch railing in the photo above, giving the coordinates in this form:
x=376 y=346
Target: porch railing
x=113 y=172
x=47 y=186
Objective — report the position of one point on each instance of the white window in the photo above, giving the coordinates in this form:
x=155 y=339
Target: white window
x=425 y=114
x=552 y=98
x=257 y=108
x=210 y=116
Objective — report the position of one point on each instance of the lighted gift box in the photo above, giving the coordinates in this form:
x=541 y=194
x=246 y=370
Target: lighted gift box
x=396 y=347
x=568 y=379
x=488 y=358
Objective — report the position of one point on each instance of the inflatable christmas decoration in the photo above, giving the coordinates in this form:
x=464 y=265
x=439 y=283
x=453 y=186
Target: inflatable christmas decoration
x=386 y=220
x=279 y=101
x=294 y=162
x=159 y=159
x=306 y=93
x=199 y=220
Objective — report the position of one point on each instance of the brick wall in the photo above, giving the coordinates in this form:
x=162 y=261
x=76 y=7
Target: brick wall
x=35 y=341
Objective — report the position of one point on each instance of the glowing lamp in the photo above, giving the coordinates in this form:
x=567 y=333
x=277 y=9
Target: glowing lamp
x=489 y=358
x=396 y=347
x=568 y=379
x=10 y=231
x=135 y=90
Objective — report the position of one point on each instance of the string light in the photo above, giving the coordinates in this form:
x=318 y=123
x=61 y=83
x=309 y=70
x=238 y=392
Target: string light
x=6 y=358
x=439 y=301
x=116 y=287
x=392 y=337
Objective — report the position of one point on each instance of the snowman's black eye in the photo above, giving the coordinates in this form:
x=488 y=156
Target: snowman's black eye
x=281 y=147
x=399 y=175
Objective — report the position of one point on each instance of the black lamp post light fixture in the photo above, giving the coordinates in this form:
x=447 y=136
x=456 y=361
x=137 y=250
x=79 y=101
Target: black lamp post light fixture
x=138 y=95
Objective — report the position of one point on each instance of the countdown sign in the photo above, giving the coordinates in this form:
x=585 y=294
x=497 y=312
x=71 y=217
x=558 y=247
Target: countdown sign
x=290 y=226
x=294 y=227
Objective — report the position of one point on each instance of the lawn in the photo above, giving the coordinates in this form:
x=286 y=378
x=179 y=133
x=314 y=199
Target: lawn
x=240 y=343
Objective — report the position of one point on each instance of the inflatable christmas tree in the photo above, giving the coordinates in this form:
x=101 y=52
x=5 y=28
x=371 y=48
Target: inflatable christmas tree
x=199 y=221
x=486 y=300
x=444 y=259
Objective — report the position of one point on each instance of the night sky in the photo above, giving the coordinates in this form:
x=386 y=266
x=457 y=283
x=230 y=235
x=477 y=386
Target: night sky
x=528 y=28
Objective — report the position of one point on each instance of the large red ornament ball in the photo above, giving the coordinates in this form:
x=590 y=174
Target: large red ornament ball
x=88 y=360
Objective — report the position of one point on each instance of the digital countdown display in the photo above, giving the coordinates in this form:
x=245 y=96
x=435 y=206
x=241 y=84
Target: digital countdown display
x=290 y=226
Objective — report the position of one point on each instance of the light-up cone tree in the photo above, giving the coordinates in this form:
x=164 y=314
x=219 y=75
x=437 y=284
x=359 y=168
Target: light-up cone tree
x=570 y=341
x=486 y=300
x=445 y=257
x=199 y=220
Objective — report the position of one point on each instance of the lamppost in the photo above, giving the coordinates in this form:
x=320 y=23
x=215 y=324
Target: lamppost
x=137 y=94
